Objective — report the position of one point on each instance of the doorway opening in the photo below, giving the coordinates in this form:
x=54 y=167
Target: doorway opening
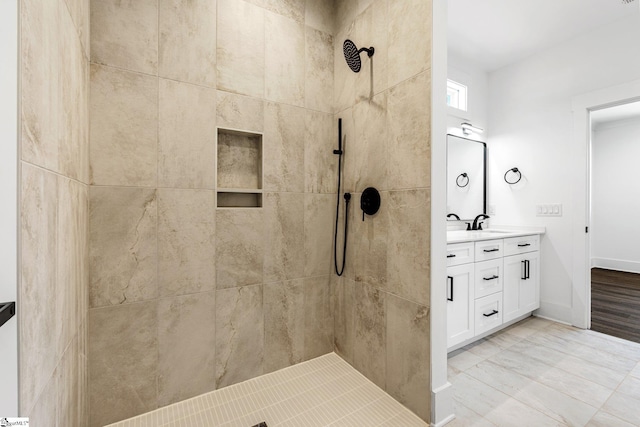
x=614 y=209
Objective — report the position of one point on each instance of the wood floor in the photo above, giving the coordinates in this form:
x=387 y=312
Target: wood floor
x=615 y=303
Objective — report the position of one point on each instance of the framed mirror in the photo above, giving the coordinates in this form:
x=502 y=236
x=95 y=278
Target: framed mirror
x=466 y=177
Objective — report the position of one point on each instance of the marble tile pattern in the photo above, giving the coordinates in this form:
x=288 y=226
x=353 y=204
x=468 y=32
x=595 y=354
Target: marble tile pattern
x=325 y=391
x=123 y=248
x=284 y=148
x=53 y=204
x=187 y=41
x=385 y=110
x=239 y=160
x=186 y=135
x=124 y=127
x=123 y=358
x=233 y=293
x=530 y=373
x=125 y=34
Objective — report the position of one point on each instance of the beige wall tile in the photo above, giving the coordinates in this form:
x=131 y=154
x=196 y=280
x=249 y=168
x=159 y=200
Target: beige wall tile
x=284 y=60
x=370 y=339
x=50 y=46
x=349 y=147
x=188 y=41
x=293 y=9
x=239 y=334
x=186 y=346
x=123 y=361
x=186 y=241
x=284 y=325
x=369 y=249
x=72 y=258
x=124 y=127
x=239 y=160
x=366 y=164
x=123 y=247
x=409 y=106
x=321 y=15
x=124 y=34
x=284 y=234
x=241 y=48
x=79 y=11
x=318 y=320
x=408 y=354
x=39 y=331
x=343 y=312
x=284 y=148
x=46 y=408
x=186 y=138
x=40 y=112
x=409 y=39
x=319 y=221
x=408 y=254
x=320 y=164
x=318 y=79
x=239 y=247
x=68 y=378
x=370 y=31
x=239 y=112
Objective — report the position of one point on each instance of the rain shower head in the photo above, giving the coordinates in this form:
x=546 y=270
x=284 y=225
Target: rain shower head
x=352 y=55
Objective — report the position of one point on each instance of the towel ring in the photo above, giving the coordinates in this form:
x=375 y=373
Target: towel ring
x=516 y=171
x=464 y=183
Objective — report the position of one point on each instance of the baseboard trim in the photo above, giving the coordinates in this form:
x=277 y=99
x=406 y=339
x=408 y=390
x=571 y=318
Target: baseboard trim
x=616 y=264
x=442 y=405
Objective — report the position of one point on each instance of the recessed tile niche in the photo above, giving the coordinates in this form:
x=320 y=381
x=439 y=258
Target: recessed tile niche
x=239 y=169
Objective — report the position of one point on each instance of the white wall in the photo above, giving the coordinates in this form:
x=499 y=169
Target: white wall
x=477 y=81
x=615 y=205
x=8 y=196
x=530 y=123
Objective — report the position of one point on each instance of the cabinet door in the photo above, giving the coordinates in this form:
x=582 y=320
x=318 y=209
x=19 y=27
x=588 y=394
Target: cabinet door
x=521 y=284
x=460 y=306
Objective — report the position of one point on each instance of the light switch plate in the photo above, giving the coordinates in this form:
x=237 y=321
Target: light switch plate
x=549 y=209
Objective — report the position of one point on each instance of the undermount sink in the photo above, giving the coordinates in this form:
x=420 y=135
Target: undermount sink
x=476 y=234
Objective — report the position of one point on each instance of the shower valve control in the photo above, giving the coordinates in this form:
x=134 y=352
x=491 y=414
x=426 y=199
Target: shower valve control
x=369 y=201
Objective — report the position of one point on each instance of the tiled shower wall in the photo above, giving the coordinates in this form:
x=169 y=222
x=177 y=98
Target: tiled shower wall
x=185 y=298
x=382 y=302
x=54 y=162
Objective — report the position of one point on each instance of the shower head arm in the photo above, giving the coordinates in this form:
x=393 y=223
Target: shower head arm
x=369 y=51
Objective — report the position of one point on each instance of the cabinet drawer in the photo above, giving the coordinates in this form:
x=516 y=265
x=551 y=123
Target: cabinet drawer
x=489 y=249
x=488 y=313
x=459 y=253
x=520 y=245
x=488 y=277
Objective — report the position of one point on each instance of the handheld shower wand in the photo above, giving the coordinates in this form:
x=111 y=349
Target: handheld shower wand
x=347 y=198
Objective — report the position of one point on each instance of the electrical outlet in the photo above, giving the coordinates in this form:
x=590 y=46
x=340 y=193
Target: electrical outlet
x=549 y=209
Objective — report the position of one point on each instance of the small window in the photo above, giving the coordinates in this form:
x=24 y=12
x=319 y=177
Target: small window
x=456 y=95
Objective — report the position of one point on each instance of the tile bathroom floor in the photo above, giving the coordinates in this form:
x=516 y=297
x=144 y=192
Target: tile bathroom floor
x=542 y=373
x=325 y=391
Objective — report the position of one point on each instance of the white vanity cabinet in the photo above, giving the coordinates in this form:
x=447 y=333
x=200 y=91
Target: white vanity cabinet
x=490 y=283
x=522 y=276
x=460 y=293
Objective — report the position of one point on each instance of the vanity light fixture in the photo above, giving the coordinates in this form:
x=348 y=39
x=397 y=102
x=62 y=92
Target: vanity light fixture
x=468 y=129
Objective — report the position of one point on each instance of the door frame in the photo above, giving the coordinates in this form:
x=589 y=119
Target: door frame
x=582 y=106
x=9 y=179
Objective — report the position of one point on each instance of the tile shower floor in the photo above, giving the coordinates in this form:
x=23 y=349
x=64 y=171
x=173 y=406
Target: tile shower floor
x=542 y=373
x=325 y=391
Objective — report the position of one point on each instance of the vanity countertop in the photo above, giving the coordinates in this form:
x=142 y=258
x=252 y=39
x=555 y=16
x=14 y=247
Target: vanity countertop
x=459 y=236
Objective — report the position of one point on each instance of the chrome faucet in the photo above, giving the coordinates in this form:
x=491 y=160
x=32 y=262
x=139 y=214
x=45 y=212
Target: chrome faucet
x=477 y=225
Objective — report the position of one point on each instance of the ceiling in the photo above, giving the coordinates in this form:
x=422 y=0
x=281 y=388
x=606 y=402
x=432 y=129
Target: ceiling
x=612 y=114
x=496 y=33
